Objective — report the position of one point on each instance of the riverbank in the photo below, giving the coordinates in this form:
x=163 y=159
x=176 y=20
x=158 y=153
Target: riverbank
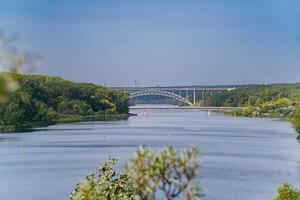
x=285 y=113
x=65 y=120
x=288 y=113
x=43 y=100
x=236 y=153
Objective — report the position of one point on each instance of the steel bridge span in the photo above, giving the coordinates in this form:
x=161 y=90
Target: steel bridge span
x=187 y=95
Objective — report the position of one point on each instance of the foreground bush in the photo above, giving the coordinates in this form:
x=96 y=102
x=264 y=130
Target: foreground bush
x=105 y=184
x=168 y=175
x=287 y=192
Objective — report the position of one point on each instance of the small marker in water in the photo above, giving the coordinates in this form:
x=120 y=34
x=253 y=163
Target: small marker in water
x=145 y=113
x=209 y=113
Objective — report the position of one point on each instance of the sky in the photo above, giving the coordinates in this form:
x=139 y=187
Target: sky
x=160 y=42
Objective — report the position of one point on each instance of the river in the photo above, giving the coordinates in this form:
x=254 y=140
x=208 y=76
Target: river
x=242 y=158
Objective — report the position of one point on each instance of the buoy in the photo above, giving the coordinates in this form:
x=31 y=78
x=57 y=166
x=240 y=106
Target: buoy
x=209 y=113
x=145 y=113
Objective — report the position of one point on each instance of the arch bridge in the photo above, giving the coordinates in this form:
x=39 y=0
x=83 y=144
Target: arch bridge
x=160 y=93
x=188 y=95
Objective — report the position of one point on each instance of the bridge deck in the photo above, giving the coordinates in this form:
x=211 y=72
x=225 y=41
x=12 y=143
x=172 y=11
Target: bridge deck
x=174 y=88
x=185 y=107
x=172 y=92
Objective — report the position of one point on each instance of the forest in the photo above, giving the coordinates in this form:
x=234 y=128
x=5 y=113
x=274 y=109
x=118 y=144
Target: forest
x=254 y=95
x=275 y=100
x=43 y=100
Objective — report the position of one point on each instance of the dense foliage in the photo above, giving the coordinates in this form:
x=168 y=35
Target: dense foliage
x=276 y=100
x=282 y=107
x=105 y=184
x=287 y=192
x=254 y=95
x=46 y=100
x=296 y=118
x=150 y=175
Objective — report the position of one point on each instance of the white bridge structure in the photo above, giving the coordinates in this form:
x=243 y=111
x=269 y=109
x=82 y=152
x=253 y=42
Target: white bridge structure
x=187 y=95
x=160 y=93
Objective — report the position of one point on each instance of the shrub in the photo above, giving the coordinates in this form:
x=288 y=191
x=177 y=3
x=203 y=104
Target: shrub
x=169 y=173
x=106 y=104
x=105 y=184
x=149 y=175
x=287 y=192
x=248 y=111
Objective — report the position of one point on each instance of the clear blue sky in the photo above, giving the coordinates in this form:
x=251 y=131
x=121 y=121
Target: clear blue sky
x=160 y=41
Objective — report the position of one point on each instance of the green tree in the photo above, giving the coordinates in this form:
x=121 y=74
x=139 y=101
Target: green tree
x=107 y=104
x=296 y=118
x=19 y=109
x=14 y=115
x=73 y=107
x=287 y=192
x=248 y=111
x=168 y=175
x=45 y=114
x=45 y=100
x=105 y=184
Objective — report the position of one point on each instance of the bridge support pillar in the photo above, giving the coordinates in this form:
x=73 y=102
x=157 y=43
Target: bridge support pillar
x=187 y=94
x=194 y=96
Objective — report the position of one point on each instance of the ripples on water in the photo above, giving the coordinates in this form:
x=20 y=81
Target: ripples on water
x=242 y=158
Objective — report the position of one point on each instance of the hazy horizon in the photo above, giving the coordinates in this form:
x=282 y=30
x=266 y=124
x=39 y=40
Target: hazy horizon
x=193 y=42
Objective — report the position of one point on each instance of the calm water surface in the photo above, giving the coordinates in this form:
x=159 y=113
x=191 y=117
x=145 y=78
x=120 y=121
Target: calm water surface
x=242 y=158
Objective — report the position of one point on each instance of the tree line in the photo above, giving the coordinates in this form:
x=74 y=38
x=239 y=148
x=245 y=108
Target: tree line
x=47 y=100
x=254 y=95
x=275 y=100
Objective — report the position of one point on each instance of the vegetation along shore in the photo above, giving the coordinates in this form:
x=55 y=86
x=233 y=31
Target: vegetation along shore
x=274 y=100
x=43 y=100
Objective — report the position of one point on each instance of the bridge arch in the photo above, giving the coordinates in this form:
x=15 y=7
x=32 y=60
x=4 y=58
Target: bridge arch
x=159 y=93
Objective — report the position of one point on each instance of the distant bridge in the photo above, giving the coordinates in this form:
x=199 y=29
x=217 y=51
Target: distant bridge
x=187 y=94
x=206 y=108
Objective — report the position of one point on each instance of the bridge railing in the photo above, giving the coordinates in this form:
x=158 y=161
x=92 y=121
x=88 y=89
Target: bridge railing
x=183 y=92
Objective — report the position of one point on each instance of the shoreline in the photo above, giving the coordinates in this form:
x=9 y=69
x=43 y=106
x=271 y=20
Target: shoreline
x=64 y=120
